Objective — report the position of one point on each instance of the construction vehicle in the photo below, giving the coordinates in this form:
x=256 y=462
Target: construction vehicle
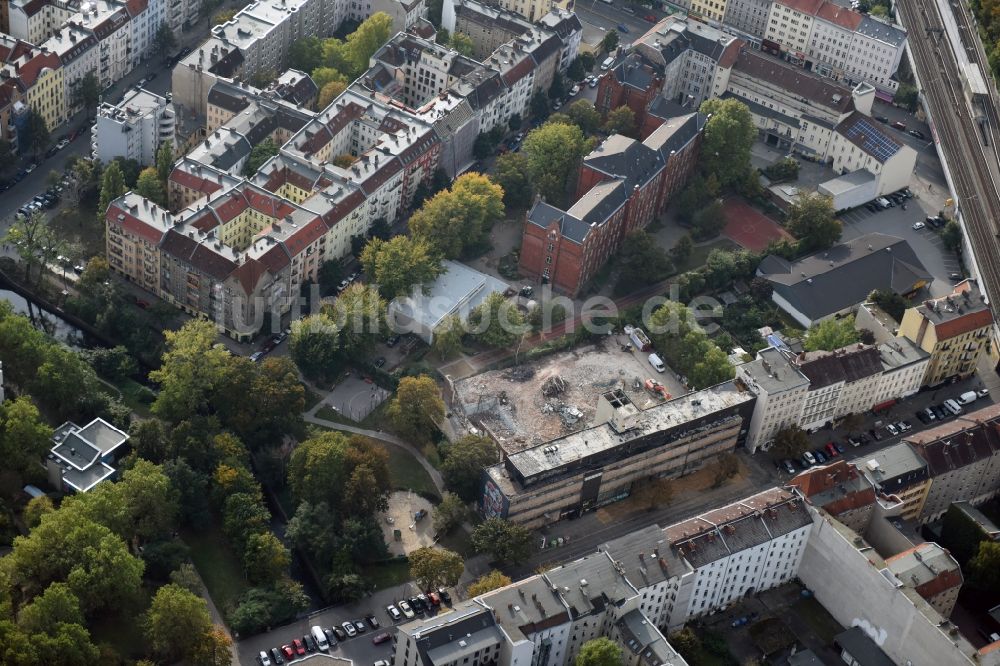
x=657 y=389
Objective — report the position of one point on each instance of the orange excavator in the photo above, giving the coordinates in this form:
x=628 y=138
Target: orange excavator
x=657 y=389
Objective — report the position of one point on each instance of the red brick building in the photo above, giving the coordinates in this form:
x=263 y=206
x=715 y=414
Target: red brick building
x=623 y=185
x=632 y=82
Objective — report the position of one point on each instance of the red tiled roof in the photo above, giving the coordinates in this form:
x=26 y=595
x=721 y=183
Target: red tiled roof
x=809 y=7
x=731 y=53
x=205 y=222
x=123 y=218
x=380 y=177
x=269 y=205
x=34 y=6
x=31 y=70
x=249 y=274
x=193 y=182
x=342 y=208
x=519 y=71
x=275 y=259
x=842 y=16
x=230 y=206
x=303 y=237
x=136 y=7
x=964 y=324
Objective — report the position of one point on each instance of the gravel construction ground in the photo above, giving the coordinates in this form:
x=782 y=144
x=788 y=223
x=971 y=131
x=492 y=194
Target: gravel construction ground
x=534 y=403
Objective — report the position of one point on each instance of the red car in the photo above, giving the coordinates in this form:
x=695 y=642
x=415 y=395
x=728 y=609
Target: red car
x=288 y=651
x=435 y=599
x=650 y=18
x=300 y=649
x=832 y=450
x=380 y=638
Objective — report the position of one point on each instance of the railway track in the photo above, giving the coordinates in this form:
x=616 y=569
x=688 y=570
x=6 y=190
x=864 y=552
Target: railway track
x=958 y=135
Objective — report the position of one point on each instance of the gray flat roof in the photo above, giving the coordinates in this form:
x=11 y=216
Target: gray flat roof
x=773 y=372
x=458 y=290
x=661 y=417
x=590 y=583
x=847 y=182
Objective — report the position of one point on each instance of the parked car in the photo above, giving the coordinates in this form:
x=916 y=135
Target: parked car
x=881 y=119
x=264 y=659
x=407 y=610
x=917 y=133
x=288 y=651
x=349 y=629
x=820 y=456
x=893 y=430
x=360 y=626
x=434 y=598
x=445 y=597
x=256 y=356
x=901 y=126
x=331 y=637
x=378 y=639
x=594 y=81
x=832 y=450
x=789 y=467
x=394 y=613
x=808 y=459
x=379 y=362
x=276 y=657
x=339 y=633
x=622 y=28
x=310 y=643
x=416 y=605
x=650 y=17
x=983 y=392
x=372 y=620
x=918 y=225
x=574 y=90
x=300 y=649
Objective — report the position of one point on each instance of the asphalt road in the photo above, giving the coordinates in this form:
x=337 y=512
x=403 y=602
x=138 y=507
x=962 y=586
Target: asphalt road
x=603 y=16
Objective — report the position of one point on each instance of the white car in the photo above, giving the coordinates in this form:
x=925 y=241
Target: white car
x=918 y=225
x=349 y=629
x=62 y=144
x=575 y=89
x=407 y=611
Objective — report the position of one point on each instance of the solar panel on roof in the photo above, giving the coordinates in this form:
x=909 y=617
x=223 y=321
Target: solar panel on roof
x=872 y=139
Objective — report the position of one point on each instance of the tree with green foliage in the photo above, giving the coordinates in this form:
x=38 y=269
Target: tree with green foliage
x=417 y=408
x=164 y=40
x=260 y=153
x=398 y=264
x=951 y=236
x=164 y=161
x=641 y=262
x=35 y=509
x=306 y=54
x=448 y=336
x=463 y=464
x=367 y=38
x=681 y=251
x=496 y=322
x=687 y=644
x=511 y=173
x=787 y=168
x=906 y=96
x=25 y=438
x=265 y=559
x=892 y=303
x=329 y=92
x=315 y=346
x=539 y=105
x=812 y=220
x=176 y=619
x=699 y=193
x=87 y=93
x=222 y=16
x=557 y=89
x=33 y=135
x=729 y=135
x=435 y=567
x=493 y=580
x=112 y=187
x=450 y=513
x=583 y=114
x=463 y=44
x=685 y=347
x=359 y=315
x=244 y=515
x=984 y=568
x=600 y=652
x=454 y=220
x=620 y=121
x=576 y=72
x=790 y=442
x=35 y=242
x=150 y=186
x=554 y=152
x=56 y=605
x=610 y=41
x=192 y=365
x=506 y=542
x=831 y=334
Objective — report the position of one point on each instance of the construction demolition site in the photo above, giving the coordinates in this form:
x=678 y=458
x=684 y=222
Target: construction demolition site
x=533 y=403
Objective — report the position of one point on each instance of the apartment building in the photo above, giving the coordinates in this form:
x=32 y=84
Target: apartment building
x=404 y=13
x=748 y=18
x=932 y=572
x=83 y=457
x=79 y=54
x=11 y=107
x=31 y=20
x=467 y=635
x=963 y=458
x=898 y=471
x=781 y=390
x=191 y=181
x=623 y=185
x=134 y=128
x=812 y=389
x=954 y=330
x=841 y=490
x=837 y=42
x=748 y=546
x=145 y=19
x=40 y=74
x=599 y=465
x=713 y=10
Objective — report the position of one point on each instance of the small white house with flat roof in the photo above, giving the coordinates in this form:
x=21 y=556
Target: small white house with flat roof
x=457 y=291
x=83 y=457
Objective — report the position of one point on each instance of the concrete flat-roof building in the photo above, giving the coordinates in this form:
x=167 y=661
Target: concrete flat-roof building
x=83 y=457
x=898 y=471
x=599 y=465
x=456 y=292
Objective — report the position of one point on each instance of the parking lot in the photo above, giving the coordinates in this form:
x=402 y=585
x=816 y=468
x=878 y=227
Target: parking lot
x=876 y=430
x=361 y=649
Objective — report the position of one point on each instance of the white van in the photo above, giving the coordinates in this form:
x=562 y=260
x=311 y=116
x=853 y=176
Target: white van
x=606 y=65
x=657 y=363
x=952 y=407
x=320 y=638
x=882 y=203
x=967 y=397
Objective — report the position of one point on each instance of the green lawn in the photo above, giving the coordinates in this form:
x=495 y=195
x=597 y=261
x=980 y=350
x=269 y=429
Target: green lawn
x=123 y=629
x=218 y=565
x=407 y=474
x=131 y=390
x=699 y=253
x=81 y=229
x=387 y=574
x=818 y=618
